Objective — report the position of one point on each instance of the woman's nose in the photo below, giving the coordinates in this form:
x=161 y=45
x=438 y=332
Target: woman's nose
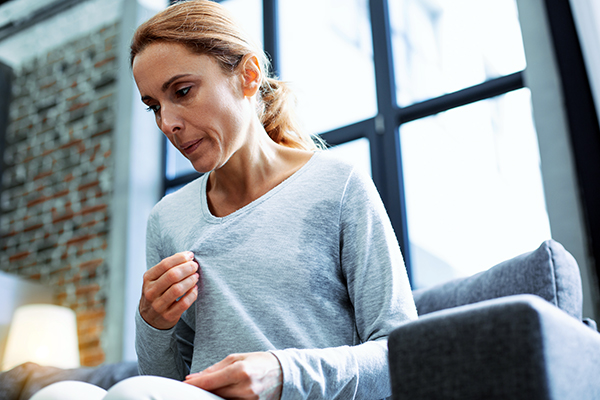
x=170 y=121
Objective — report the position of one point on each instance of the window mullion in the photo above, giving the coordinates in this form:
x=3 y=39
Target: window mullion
x=271 y=33
x=385 y=142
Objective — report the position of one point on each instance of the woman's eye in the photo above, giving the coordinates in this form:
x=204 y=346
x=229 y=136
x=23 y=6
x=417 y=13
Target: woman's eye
x=182 y=92
x=153 y=108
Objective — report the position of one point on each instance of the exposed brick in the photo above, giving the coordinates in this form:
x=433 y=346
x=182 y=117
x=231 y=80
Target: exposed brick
x=79 y=240
x=90 y=315
x=61 y=298
x=60 y=193
x=103 y=62
x=77 y=106
x=64 y=217
x=42 y=175
x=19 y=256
x=9 y=234
x=92 y=264
x=88 y=185
x=74 y=97
x=37 y=201
x=102 y=132
x=87 y=290
x=61 y=270
x=33 y=227
x=74 y=142
x=48 y=85
x=93 y=357
x=92 y=209
x=57 y=178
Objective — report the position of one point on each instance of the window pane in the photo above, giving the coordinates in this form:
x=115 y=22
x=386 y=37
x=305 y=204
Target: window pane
x=327 y=56
x=356 y=152
x=177 y=164
x=473 y=188
x=442 y=46
x=173 y=189
x=249 y=14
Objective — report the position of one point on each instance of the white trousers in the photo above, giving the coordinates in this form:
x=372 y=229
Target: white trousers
x=135 y=388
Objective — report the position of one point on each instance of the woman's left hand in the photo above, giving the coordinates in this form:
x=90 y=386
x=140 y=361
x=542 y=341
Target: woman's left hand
x=242 y=376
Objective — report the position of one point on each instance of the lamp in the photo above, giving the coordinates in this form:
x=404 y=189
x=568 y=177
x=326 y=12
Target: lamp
x=42 y=333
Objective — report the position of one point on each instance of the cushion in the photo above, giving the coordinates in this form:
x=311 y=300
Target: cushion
x=21 y=382
x=549 y=272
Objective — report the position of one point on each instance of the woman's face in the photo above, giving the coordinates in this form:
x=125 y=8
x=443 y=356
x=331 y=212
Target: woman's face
x=202 y=110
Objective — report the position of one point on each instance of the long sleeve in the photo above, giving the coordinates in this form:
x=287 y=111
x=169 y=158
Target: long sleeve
x=163 y=352
x=380 y=293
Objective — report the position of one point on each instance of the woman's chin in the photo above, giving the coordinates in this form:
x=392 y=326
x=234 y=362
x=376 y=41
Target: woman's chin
x=202 y=165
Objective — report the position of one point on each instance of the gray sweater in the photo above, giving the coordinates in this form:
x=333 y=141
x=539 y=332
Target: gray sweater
x=311 y=271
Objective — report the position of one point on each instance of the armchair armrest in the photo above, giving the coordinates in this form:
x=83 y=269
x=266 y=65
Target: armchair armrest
x=517 y=347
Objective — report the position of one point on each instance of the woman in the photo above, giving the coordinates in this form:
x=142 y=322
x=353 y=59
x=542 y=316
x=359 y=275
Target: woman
x=277 y=273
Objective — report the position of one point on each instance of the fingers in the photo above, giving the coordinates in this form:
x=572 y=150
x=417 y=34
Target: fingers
x=169 y=289
x=165 y=265
x=169 y=317
x=225 y=373
x=245 y=375
x=174 y=294
x=173 y=284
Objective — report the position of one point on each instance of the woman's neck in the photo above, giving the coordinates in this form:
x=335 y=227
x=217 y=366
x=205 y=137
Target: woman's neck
x=250 y=173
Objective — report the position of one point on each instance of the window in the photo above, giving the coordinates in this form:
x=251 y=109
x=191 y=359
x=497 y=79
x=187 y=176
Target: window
x=428 y=98
x=330 y=65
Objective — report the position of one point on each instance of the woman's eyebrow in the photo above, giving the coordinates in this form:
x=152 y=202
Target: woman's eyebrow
x=168 y=83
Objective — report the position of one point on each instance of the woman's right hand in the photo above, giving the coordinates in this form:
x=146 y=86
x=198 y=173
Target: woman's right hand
x=173 y=278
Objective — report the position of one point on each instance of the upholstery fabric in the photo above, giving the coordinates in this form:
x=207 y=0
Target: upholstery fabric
x=21 y=382
x=517 y=347
x=549 y=272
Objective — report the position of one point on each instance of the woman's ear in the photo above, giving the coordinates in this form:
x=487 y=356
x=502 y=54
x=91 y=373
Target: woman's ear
x=251 y=75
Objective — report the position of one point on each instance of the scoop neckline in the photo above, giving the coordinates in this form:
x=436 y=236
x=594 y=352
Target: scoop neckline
x=209 y=217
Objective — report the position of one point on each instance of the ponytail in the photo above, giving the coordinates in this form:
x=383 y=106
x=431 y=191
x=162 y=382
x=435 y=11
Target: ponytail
x=277 y=114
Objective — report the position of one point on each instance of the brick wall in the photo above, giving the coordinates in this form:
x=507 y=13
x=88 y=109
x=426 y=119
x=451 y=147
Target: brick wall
x=57 y=183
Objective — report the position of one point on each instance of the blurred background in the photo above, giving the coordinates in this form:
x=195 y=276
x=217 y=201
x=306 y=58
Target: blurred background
x=476 y=119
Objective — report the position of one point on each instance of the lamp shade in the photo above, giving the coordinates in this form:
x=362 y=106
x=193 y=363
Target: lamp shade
x=42 y=333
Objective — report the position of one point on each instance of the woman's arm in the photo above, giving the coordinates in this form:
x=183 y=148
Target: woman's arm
x=164 y=340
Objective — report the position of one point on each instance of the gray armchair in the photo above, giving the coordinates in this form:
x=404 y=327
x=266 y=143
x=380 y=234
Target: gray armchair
x=512 y=332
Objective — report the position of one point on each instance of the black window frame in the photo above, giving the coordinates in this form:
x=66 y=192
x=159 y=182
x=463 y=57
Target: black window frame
x=382 y=129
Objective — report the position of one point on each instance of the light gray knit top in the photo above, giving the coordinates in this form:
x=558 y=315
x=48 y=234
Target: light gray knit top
x=311 y=271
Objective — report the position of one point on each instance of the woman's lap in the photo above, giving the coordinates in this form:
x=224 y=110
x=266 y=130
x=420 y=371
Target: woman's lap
x=135 y=388
x=70 y=390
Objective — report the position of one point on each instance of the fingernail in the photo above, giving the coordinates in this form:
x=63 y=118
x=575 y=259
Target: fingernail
x=189 y=255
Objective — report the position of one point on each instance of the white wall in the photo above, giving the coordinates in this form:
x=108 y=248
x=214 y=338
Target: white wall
x=138 y=161
x=68 y=25
x=557 y=164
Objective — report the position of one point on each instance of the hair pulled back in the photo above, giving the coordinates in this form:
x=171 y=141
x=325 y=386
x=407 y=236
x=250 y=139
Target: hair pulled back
x=205 y=27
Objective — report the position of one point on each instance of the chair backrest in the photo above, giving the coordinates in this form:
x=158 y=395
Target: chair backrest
x=549 y=272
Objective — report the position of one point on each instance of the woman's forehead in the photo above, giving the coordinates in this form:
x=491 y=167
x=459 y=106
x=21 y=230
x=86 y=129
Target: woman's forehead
x=163 y=58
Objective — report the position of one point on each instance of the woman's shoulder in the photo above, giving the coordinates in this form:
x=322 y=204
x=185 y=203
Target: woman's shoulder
x=332 y=167
x=328 y=161
x=181 y=197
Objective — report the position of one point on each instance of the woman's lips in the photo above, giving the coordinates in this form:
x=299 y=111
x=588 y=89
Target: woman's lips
x=190 y=147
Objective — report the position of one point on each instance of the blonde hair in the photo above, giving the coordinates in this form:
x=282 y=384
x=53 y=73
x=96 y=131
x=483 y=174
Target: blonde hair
x=205 y=27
